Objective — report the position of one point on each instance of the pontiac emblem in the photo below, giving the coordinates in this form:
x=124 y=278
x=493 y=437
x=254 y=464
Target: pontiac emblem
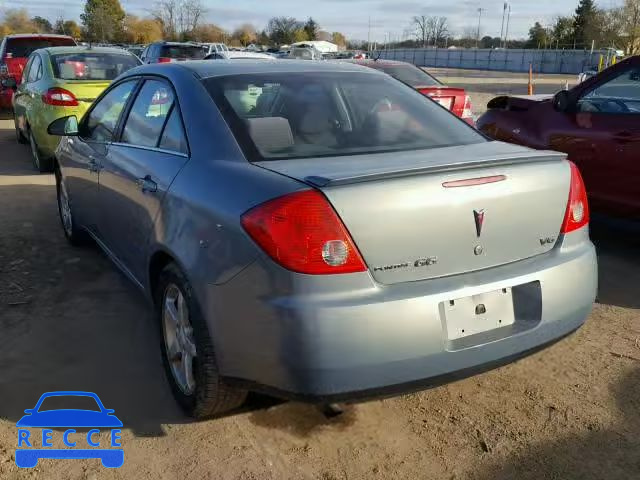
x=478 y=215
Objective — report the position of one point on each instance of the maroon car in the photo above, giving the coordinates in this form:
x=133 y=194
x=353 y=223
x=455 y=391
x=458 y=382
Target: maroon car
x=14 y=51
x=597 y=123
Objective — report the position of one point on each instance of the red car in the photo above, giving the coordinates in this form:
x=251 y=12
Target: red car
x=452 y=98
x=14 y=51
x=597 y=123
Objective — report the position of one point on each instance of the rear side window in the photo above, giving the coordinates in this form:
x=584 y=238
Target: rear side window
x=314 y=114
x=148 y=114
x=35 y=71
x=91 y=66
x=23 y=47
x=173 y=137
x=410 y=75
x=183 y=51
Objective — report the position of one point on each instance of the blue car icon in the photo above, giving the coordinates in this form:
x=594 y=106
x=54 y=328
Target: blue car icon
x=76 y=418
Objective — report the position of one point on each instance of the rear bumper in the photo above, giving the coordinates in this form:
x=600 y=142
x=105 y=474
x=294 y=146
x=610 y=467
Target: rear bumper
x=355 y=338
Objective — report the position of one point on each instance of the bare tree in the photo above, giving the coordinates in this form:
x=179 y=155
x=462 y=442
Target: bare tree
x=437 y=29
x=178 y=17
x=422 y=28
x=631 y=25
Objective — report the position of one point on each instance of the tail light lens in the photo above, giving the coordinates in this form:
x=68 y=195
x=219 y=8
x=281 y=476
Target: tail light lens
x=302 y=232
x=164 y=60
x=577 y=214
x=467 y=112
x=59 y=97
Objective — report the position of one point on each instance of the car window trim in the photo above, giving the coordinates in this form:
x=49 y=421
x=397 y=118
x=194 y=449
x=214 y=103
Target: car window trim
x=142 y=79
x=150 y=149
x=83 y=121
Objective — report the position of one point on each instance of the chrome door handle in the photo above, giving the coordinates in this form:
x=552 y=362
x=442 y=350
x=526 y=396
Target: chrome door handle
x=147 y=185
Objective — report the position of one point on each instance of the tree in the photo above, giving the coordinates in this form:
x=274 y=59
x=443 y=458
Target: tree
x=245 y=34
x=42 y=24
x=282 y=29
x=631 y=26
x=179 y=18
x=146 y=30
x=339 y=39
x=311 y=29
x=538 y=36
x=584 y=23
x=103 y=20
x=562 y=34
x=67 y=27
x=17 y=21
x=208 y=32
x=422 y=28
x=300 y=35
x=437 y=29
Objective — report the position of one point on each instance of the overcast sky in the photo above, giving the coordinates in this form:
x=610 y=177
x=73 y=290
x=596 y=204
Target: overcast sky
x=350 y=17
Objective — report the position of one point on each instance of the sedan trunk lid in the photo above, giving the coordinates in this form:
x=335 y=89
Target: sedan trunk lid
x=433 y=213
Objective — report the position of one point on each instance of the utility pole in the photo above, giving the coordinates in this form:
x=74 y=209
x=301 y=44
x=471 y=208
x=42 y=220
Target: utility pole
x=504 y=14
x=369 y=36
x=480 y=10
x=506 y=34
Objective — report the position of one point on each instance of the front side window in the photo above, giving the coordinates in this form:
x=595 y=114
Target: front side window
x=27 y=69
x=101 y=122
x=297 y=115
x=621 y=94
x=35 y=71
x=148 y=115
x=91 y=66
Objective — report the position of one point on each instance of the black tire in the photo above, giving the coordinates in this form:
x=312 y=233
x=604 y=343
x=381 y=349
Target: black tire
x=19 y=136
x=211 y=396
x=41 y=164
x=74 y=235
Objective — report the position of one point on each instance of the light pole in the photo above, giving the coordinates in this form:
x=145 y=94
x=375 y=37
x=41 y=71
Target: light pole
x=480 y=10
x=506 y=35
x=504 y=14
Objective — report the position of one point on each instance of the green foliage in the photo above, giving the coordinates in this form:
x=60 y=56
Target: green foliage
x=311 y=29
x=42 y=24
x=103 y=20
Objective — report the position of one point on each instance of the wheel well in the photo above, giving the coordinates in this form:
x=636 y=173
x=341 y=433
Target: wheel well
x=159 y=260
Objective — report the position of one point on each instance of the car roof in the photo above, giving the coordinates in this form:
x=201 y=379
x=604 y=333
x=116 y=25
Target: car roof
x=70 y=49
x=190 y=44
x=37 y=35
x=217 y=68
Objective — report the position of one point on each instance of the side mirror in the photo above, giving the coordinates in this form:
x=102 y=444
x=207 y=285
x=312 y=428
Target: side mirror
x=9 y=82
x=562 y=101
x=29 y=411
x=64 y=127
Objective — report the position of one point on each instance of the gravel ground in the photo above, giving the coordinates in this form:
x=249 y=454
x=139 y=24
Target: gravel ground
x=69 y=320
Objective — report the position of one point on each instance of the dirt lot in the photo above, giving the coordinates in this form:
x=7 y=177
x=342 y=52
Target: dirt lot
x=69 y=320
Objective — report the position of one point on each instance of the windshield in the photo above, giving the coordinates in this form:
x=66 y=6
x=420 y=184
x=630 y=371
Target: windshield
x=22 y=47
x=183 y=51
x=410 y=75
x=65 y=402
x=91 y=66
x=298 y=115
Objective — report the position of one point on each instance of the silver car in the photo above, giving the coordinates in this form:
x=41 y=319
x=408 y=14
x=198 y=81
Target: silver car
x=321 y=231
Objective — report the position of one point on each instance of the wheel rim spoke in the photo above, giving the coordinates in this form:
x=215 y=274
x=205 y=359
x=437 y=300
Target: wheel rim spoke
x=178 y=337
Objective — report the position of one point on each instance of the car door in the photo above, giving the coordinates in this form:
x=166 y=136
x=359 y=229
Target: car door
x=24 y=95
x=602 y=136
x=138 y=171
x=82 y=156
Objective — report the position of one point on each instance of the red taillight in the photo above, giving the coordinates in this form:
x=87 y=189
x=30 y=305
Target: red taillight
x=60 y=97
x=577 y=214
x=164 y=60
x=303 y=233
x=467 y=113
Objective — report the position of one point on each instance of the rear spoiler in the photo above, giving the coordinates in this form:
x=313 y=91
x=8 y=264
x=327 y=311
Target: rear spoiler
x=335 y=171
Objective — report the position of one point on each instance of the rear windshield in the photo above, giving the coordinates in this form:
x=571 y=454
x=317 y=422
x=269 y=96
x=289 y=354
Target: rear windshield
x=91 y=66
x=299 y=115
x=22 y=47
x=183 y=51
x=410 y=75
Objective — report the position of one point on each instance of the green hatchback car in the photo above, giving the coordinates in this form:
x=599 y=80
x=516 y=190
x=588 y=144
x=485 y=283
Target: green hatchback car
x=61 y=81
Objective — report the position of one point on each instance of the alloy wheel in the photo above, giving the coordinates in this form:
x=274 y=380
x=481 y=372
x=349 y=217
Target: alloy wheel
x=34 y=151
x=65 y=208
x=180 y=346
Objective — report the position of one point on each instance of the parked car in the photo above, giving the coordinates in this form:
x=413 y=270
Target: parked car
x=136 y=50
x=239 y=56
x=215 y=48
x=60 y=81
x=305 y=53
x=167 y=52
x=454 y=99
x=342 y=237
x=14 y=51
x=597 y=123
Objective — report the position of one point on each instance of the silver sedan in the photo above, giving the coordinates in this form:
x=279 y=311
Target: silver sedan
x=321 y=231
